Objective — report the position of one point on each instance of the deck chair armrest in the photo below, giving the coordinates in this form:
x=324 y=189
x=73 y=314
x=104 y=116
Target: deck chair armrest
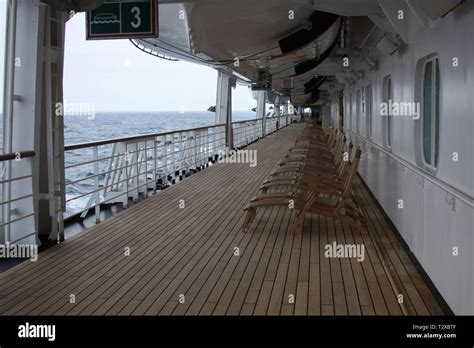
x=321 y=189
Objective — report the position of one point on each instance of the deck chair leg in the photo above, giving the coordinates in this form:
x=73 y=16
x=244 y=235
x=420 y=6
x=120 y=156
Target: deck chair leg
x=249 y=216
x=300 y=214
x=297 y=222
x=358 y=225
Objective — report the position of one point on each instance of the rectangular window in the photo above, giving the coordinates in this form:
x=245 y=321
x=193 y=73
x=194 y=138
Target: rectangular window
x=430 y=116
x=389 y=118
x=349 y=123
x=427 y=111
x=363 y=100
x=357 y=118
x=368 y=114
x=387 y=121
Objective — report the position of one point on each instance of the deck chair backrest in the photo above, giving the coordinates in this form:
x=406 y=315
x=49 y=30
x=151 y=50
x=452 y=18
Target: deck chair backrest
x=349 y=150
x=331 y=137
x=333 y=143
x=353 y=171
x=345 y=164
x=335 y=139
x=351 y=175
x=340 y=146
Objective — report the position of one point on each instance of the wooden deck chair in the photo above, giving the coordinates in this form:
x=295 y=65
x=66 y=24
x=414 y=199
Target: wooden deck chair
x=321 y=154
x=308 y=192
x=316 y=153
x=270 y=200
x=305 y=139
x=318 y=173
x=294 y=168
x=333 y=200
x=330 y=200
x=318 y=167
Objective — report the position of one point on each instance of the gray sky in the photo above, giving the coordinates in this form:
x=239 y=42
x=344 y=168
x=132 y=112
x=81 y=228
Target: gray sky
x=115 y=75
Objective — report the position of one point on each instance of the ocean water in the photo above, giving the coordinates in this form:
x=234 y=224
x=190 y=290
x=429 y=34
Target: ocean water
x=109 y=125
x=80 y=129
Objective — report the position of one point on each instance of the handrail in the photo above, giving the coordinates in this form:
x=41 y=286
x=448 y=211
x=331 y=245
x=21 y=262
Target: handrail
x=134 y=137
x=14 y=155
x=456 y=192
x=249 y=120
x=259 y=119
x=26 y=154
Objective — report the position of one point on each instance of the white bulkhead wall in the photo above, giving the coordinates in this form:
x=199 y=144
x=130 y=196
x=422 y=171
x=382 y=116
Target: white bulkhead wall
x=438 y=212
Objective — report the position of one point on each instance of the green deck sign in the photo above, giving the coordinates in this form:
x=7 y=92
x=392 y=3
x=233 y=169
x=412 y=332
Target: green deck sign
x=123 y=20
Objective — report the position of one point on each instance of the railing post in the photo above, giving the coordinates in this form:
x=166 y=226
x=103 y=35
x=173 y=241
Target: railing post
x=126 y=159
x=277 y=116
x=170 y=154
x=110 y=166
x=192 y=149
x=137 y=172
x=96 y=182
x=145 y=155
x=208 y=150
x=261 y=114
x=155 y=167
x=229 y=133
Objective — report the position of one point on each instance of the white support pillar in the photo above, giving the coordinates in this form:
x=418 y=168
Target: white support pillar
x=221 y=97
x=224 y=105
x=21 y=97
x=261 y=100
x=285 y=112
x=33 y=88
x=276 y=108
x=229 y=132
x=51 y=171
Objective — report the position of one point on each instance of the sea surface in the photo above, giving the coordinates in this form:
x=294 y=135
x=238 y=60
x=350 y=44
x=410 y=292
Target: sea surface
x=109 y=125
x=80 y=129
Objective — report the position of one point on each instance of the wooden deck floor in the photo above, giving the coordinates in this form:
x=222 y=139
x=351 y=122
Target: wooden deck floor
x=189 y=254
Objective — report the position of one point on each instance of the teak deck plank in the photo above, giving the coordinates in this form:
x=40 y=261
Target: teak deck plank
x=190 y=252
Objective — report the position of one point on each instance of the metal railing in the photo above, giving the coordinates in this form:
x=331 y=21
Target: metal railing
x=246 y=132
x=15 y=189
x=16 y=156
x=117 y=170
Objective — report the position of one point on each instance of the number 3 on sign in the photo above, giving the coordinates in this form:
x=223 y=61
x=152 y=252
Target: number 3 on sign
x=137 y=20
